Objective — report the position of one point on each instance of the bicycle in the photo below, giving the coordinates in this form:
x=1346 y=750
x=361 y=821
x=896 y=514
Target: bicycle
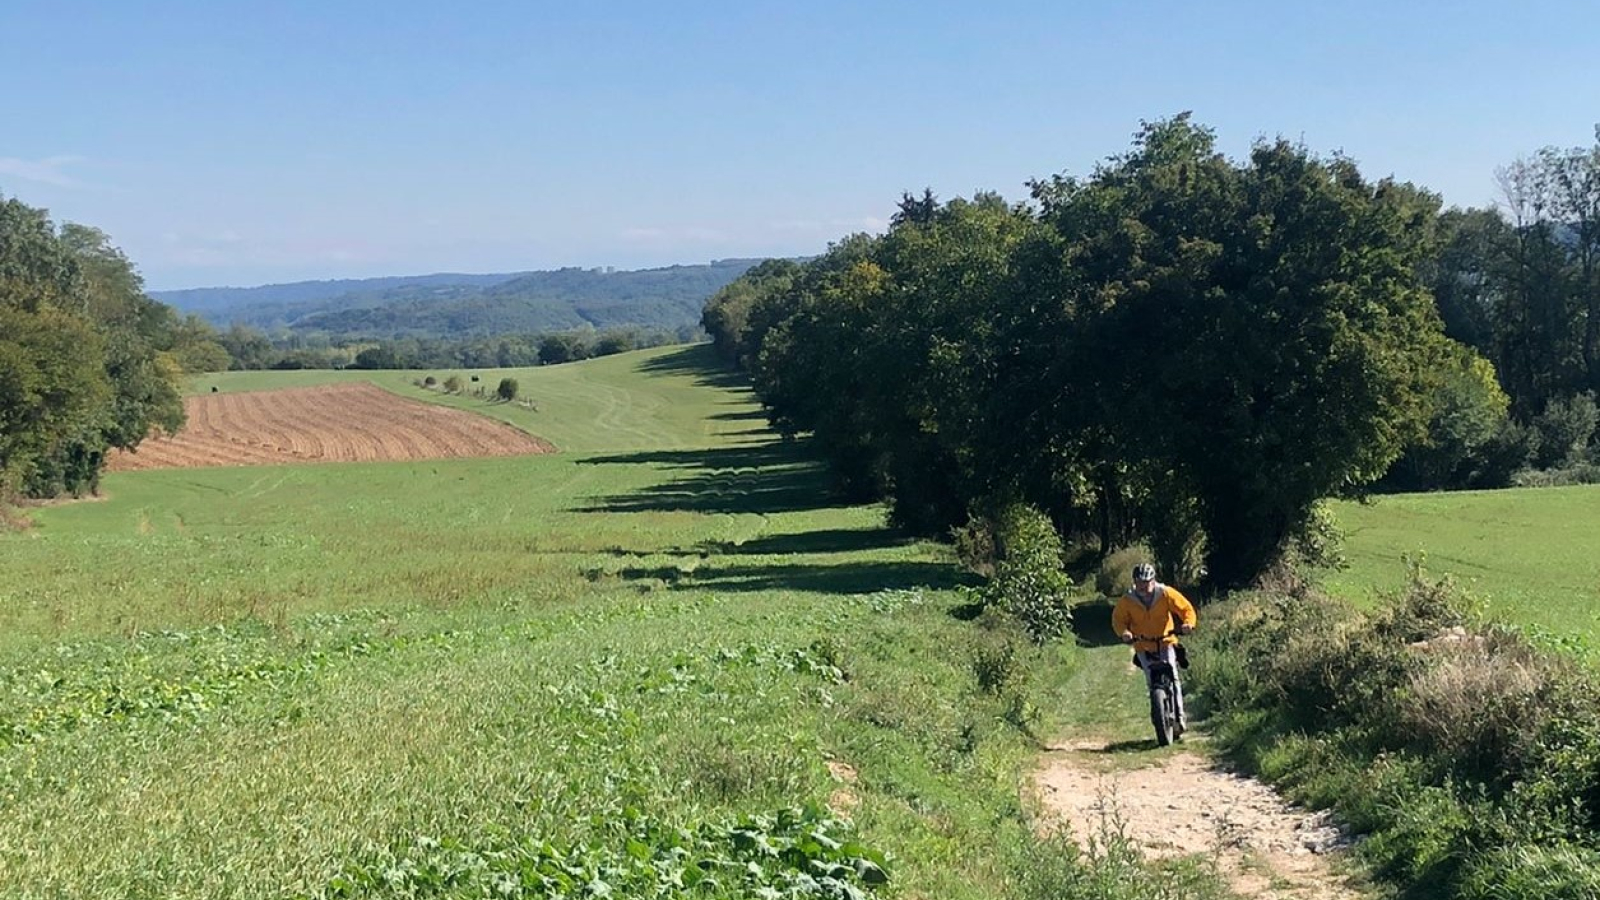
x=1164 y=690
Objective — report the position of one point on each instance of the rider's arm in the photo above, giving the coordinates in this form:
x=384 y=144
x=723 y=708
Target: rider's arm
x=1121 y=620
x=1183 y=609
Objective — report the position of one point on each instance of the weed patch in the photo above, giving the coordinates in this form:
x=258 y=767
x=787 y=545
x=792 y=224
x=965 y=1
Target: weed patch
x=792 y=853
x=1458 y=748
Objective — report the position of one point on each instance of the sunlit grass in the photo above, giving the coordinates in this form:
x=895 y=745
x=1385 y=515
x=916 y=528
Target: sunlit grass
x=1530 y=554
x=241 y=682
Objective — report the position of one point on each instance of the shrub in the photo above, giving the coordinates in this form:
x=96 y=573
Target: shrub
x=1577 y=473
x=1438 y=736
x=429 y=381
x=974 y=545
x=507 y=390
x=1115 y=576
x=1565 y=427
x=996 y=666
x=1029 y=584
x=1509 y=451
x=453 y=384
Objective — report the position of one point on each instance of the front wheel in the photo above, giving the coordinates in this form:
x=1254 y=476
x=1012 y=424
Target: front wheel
x=1163 y=715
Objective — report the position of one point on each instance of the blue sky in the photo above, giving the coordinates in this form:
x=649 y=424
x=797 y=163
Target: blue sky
x=246 y=143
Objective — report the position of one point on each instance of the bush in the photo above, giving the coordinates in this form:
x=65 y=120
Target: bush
x=1437 y=735
x=974 y=545
x=429 y=381
x=1565 y=427
x=507 y=389
x=1510 y=450
x=453 y=384
x=1577 y=473
x=1115 y=576
x=1029 y=584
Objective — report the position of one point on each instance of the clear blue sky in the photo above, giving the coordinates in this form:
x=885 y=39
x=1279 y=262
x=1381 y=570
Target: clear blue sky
x=244 y=143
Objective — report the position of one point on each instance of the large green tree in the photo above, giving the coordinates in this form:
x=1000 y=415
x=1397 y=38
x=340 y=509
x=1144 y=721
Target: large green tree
x=1195 y=348
x=1266 y=340
x=83 y=361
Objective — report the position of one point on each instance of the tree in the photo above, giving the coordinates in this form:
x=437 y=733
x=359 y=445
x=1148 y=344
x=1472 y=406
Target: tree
x=1196 y=350
x=1267 y=342
x=560 y=348
x=85 y=351
x=1470 y=413
x=382 y=356
x=507 y=390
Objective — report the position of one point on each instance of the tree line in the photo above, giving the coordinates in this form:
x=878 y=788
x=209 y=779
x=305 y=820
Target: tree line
x=251 y=349
x=88 y=362
x=1178 y=348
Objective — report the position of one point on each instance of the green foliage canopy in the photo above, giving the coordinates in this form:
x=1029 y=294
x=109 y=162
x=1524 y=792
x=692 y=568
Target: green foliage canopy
x=85 y=357
x=1192 y=349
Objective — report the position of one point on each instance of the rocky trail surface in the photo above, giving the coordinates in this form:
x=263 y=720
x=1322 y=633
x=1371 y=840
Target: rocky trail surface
x=1182 y=803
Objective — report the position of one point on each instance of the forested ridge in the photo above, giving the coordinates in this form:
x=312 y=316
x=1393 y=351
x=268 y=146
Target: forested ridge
x=1188 y=350
x=459 y=307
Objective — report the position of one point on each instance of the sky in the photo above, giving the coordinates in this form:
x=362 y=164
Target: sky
x=233 y=143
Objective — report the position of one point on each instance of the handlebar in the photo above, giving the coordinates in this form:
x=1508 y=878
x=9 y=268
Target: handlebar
x=1154 y=640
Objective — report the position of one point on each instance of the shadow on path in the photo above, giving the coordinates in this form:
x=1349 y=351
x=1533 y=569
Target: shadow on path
x=1091 y=623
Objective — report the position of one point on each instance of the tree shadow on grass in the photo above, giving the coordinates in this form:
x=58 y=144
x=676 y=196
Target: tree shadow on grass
x=700 y=362
x=740 y=416
x=770 y=477
x=763 y=492
x=825 y=540
x=743 y=456
x=848 y=578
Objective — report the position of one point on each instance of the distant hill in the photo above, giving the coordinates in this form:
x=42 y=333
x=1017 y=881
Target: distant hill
x=454 y=305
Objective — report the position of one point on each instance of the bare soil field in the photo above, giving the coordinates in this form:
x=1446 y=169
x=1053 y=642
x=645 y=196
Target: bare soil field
x=331 y=423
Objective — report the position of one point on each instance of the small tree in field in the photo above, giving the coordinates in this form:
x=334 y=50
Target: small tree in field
x=452 y=385
x=507 y=390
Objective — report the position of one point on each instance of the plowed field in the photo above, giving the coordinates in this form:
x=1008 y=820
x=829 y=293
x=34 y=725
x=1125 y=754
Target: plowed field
x=332 y=423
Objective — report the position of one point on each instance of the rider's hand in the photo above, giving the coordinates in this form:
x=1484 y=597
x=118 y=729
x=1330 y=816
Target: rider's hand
x=1186 y=629
x=1127 y=637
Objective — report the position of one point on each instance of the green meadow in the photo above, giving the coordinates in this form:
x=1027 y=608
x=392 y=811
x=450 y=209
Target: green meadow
x=660 y=660
x=1531 y=556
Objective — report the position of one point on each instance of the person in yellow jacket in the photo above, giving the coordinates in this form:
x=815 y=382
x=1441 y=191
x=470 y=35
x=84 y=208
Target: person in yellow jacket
x=1143 y=617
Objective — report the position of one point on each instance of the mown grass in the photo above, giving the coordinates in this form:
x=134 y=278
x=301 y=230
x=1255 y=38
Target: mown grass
x=663 y=398
x=278 y=682
x=1528 y=553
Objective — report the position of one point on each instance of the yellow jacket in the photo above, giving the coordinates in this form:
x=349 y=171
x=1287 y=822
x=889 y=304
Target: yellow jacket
x=1154 y=620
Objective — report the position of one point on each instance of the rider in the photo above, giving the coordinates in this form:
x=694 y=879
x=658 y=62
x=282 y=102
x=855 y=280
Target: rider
x=1147 y=611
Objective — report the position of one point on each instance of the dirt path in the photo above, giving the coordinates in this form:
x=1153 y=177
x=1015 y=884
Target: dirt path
x=1264 y=848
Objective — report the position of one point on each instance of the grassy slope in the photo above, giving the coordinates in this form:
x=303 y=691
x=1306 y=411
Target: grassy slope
x=237 y=682
x=1530 y=553
x=646 y=400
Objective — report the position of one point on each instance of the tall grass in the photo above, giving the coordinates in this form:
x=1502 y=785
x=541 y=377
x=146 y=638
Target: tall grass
x=1461 y=752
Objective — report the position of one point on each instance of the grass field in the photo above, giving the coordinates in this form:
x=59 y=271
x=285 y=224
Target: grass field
x=433 y=679
x=1531 y=555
